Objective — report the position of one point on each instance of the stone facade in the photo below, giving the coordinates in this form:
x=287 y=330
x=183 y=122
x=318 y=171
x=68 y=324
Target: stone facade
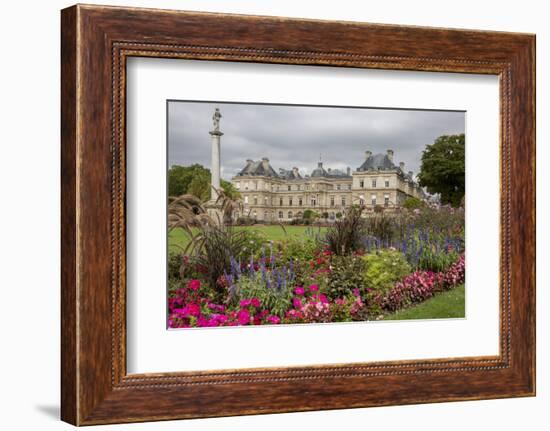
x=285 y=195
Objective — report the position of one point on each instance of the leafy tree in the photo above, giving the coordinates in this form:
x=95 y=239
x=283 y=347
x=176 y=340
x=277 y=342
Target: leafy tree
x=412 y=203
x=308 y=214
x=195 y=180
x=443 y=168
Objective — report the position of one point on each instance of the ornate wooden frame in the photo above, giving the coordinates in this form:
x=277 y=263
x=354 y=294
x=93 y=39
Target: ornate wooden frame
x=95 y=42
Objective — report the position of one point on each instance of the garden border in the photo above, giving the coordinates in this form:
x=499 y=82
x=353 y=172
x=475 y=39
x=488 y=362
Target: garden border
x=96 y=41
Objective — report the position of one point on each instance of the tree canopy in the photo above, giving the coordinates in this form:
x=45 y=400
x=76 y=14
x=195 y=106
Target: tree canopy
x=443 y=168
x=195 y=180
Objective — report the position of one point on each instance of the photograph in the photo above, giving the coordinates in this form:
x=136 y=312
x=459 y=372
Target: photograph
x=288 y=214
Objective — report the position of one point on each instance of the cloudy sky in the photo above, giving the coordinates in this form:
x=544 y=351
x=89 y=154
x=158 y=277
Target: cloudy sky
x=301 y=135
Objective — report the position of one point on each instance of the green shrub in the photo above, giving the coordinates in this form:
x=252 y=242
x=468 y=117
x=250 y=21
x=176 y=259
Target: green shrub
x=276 y=298
x=436 y=260
x=412 y=203
x=174 y=266
x=297 y=249
x=346 y=275
x=384 y=269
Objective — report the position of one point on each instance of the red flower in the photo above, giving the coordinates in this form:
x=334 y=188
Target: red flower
x=194 y=284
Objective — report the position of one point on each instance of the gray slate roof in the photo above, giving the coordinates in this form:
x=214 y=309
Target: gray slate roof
x=289 y=174
x=260 y=167
x=320 y=171
x=377 y=162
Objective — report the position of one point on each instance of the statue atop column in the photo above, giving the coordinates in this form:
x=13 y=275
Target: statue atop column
x=215 y=163
x=216 y=120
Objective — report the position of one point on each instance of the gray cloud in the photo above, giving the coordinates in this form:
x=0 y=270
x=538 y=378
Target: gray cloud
x=291 y=135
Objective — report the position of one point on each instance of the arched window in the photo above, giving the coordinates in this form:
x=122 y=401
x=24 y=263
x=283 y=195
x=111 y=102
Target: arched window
x=280 y=214
x=290 y=214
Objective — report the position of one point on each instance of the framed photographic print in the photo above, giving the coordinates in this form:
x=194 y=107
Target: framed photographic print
x=329 y=214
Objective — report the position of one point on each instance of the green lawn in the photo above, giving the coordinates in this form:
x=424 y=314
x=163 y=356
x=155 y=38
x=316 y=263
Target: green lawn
x=178 y=237
x=444 y=305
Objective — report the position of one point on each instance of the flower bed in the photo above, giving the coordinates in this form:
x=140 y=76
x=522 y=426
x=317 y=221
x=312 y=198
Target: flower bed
x=189 y=307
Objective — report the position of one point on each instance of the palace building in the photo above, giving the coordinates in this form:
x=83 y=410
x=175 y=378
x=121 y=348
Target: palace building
x=378 y=182
x=272 y=196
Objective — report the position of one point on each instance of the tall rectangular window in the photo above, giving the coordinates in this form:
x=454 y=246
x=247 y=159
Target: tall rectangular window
x=281 y=202
x=373 y=200
x=386 y=200
x=343 y=201
x=255 y=200
x=387 y=183
x=332 y=201
x=362 y=184
x=374 y=183
x=290 y=202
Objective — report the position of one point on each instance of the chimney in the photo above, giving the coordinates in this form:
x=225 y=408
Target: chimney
x=295 y=170
x=265 y=162
x=390 y=155
x=320 y=164
x=402 y=166
x=368 y=154
x=411 y=174
x=248 y=161
x=348 y=170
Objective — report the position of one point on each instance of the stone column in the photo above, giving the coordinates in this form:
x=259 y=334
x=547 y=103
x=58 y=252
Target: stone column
x=215 y=163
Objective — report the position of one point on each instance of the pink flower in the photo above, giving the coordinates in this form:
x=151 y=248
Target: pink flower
x=299 y=291
x=274 y=319
x=245 y=303
x=255 y=302
x=244 y=317
x=313 y=288
x=296 y=302
x=356 y=292
x=193 y=309
x=194 y=284
x=323 y=298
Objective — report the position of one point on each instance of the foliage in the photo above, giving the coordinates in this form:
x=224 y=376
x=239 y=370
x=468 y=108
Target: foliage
x=297 y=249
x=436 y=259
x=346 y=275
x=380 y=226
x=276 y=298
x=245 y=221
x=195 y=180
x=345 y=236
x=384 y=269
x=262 y=279
x=442 y=168
x=422 y=285
x=191 y=306
x=446 y=305
x=218 y=245
x=310 y=215
x=412 y=203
